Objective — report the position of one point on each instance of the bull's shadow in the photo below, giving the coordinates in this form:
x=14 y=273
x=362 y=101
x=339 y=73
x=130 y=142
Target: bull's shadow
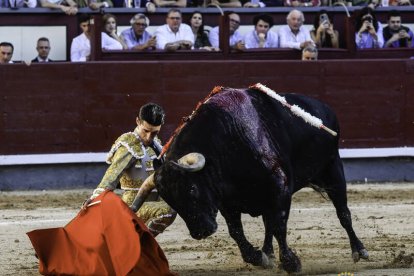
x=243 y=151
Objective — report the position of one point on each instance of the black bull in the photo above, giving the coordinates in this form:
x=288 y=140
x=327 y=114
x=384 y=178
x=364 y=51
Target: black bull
x=257 y=154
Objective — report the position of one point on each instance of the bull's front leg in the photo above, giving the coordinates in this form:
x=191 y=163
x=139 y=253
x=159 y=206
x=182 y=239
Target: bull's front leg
x=248 y=252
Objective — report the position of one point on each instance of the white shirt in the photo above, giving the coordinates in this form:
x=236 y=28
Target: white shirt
x=213 y=36
x=109 y=43
x=22 y=3
x=80 y=48
x=165 y=35
x=39 y=59
x=367 y=41
x=251 y=39
x=287 y=39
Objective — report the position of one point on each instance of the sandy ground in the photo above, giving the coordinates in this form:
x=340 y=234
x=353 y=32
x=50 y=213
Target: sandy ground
x=383 y=217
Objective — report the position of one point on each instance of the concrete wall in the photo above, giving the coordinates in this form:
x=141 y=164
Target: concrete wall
x=88 y=175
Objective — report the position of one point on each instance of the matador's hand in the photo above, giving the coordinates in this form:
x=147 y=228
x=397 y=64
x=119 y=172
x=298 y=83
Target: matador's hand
x=85 y=204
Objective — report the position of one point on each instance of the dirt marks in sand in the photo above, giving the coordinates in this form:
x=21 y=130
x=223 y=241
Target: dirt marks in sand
x=382 y=218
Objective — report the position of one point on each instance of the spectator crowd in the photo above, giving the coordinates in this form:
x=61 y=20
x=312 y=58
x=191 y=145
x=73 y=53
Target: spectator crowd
x=175 y=35
x=70 y=7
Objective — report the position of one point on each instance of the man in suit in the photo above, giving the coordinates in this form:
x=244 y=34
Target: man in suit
x=43 y=48
x=6 y=52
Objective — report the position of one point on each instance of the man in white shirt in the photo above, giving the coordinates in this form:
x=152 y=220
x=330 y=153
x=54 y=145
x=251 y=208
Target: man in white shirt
x=80 y=50
x=6 y=52
x=43 y=49
x=68 y=6
x=174 y=35
x=261 y=36
x=294 y=35
x=236 y=38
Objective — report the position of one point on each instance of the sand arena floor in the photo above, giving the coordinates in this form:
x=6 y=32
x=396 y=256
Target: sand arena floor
x=383 y=218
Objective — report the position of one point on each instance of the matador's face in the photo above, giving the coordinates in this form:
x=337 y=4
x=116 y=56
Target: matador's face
x=147 y=132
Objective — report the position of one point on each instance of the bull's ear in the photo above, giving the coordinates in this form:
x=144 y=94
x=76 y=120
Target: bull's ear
x=191 y=162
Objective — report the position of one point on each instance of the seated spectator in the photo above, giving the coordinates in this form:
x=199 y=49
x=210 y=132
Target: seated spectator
x=357 y=2
x=80 y=50
x=395 y=34
x=261 y=36
x=150 y=6
x=18 y=4
x=302 y=3
x=271 y=3
x=174 y=35
x=310 y=53
x=195 y=3
x=401 y=3
x=225 y=3
x=373 y=4
x=369 y=30
x=323 y=33
x=110 y=38
x=170 y=3
x=6 y=52
x=67 y=6
x=200 y=35
x=95 y=4
x=236 y=38
x=43 y=49
x=136 y=37
x=294 y=35
x=254 y=4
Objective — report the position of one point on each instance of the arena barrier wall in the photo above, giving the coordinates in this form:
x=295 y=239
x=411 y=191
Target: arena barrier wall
x=82 y=107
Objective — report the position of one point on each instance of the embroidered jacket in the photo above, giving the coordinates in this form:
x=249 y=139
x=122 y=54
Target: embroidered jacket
x=130 y=162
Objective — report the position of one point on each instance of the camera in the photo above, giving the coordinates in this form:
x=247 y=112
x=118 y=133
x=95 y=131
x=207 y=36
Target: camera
x=323 y=18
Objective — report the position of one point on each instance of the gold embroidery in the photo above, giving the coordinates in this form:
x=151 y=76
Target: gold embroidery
x=128 y=151
x=128 y=182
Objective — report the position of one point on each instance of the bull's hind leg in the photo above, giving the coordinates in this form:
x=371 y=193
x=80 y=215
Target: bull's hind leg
x=289 y=261
x=335 y=184
x=269 y=224
x=249 y=253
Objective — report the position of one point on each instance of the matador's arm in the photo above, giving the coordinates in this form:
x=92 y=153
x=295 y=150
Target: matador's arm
x=143 y=193
x=121 y=160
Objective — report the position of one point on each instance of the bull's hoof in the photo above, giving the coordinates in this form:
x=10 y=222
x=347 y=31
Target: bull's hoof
x=272 y=261
x=258 y=258
x=362 y=253
x=290 y=262
x=265 y=261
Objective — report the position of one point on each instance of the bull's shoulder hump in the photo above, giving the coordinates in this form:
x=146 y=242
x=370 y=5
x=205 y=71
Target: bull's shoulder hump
x=229 y=98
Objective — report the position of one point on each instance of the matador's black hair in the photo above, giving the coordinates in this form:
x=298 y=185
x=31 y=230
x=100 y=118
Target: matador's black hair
x=152 y=113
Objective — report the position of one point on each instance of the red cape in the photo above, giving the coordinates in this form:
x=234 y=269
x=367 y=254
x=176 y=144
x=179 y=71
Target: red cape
x=106 y=239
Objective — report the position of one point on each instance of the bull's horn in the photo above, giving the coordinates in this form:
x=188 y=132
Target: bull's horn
x=192 y=162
